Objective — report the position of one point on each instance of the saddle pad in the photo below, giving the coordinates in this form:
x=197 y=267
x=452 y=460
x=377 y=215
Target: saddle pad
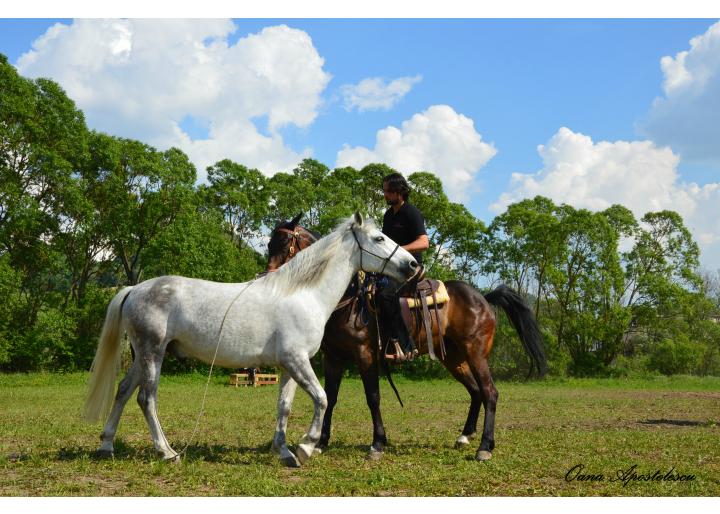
x=441 y=294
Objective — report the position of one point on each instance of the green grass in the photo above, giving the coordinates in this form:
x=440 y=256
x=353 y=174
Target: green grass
x=542 y=430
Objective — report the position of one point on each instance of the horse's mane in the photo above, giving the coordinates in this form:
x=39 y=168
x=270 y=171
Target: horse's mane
x=309 y=266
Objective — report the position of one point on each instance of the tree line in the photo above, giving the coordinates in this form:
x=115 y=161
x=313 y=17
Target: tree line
x=83 y=213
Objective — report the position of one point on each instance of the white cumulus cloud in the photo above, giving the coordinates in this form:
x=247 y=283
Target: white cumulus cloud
x=375 y=93
x=638 y=174
x=686 y=117
x=142 y=78
x=439 y=140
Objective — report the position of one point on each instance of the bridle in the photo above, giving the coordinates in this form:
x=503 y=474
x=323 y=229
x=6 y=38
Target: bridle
x=384 y=259
x=297 y=238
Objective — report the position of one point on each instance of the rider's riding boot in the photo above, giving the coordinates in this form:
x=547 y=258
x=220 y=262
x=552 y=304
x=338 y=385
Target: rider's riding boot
x=398 y=346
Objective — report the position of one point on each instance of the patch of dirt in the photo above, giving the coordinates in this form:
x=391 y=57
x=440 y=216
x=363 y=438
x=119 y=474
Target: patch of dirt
x=710 y=395
x=610 y=424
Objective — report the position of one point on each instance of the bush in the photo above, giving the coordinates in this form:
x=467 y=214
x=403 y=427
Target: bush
x=635 y=366
x=508 y=358
x=47 y=345
x=10 y=306
x=587 y=365
x=672 y=357
x=710 y=362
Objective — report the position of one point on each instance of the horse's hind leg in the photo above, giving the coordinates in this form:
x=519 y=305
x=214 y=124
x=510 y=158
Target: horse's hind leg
x=481 y=371
x=460 y=369
x=147 y=399
x=285 y=399
x=125 y=390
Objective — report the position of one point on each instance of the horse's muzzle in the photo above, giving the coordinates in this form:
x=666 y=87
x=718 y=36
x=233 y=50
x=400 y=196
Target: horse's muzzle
x=412 y=268
x=415 y=273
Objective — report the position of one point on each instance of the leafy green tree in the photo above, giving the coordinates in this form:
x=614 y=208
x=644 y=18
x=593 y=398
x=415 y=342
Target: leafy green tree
x=524 y=244
x=196 y=245
x=241 y=194
x=309 y=189
x=365 y=189
x=661 y=265
x=140 y=193
x=585 y=282
x=455 y=235
x=567 y=260
x=42 y=141
x=43 y=147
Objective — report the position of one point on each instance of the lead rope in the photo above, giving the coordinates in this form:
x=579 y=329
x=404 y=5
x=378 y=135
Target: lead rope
x=212 y=365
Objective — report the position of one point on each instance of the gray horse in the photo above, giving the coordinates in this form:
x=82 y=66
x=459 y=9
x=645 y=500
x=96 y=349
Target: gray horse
x=276 y=320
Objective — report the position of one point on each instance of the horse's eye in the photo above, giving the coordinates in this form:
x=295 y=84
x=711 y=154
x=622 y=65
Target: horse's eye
x=379 y=239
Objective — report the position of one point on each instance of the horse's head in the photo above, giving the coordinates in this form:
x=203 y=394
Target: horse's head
x=286 y=240
x=377 y=253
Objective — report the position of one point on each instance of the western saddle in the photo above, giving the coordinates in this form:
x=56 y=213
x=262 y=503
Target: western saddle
x=423 y=306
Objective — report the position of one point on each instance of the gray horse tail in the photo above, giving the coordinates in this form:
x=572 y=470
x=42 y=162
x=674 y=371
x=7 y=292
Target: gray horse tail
x=106 y=364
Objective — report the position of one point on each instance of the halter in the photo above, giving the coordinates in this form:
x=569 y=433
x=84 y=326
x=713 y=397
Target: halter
x=385 y=259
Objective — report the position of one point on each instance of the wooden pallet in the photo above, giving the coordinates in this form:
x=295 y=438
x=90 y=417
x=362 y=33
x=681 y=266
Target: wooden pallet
x=261 y=379
x=240 y=379
x=265 y=379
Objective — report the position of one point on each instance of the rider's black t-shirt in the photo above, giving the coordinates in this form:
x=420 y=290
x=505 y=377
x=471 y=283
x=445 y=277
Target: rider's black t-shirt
x=405 y=226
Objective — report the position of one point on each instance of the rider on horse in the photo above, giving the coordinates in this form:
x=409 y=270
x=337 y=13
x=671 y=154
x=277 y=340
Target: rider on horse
x=405 y=225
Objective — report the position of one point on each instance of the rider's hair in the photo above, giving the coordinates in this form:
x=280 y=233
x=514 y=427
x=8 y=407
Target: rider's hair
x=397 y=184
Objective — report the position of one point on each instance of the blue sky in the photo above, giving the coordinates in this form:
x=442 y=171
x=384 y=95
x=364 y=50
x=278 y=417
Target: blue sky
x=594 y=93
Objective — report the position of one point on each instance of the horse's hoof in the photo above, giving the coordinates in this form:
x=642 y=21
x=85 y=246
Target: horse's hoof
x=374 y=455
x=174 y=459
x=291 y=461
x=104 y=454
x=462 y=441
x=483 y=455
x=303 y=455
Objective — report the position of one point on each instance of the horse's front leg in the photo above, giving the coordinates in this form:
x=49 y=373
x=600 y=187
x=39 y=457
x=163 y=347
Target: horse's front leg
x=367 y=363
x=285 y=399
x=334 y=369
x=301 y=371
x=481 y=371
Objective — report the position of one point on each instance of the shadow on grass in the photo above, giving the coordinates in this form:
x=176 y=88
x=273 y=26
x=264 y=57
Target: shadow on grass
x=217 y=453
x=229 y=454
x=679 y=422
x=341 y=447
x=401 y=449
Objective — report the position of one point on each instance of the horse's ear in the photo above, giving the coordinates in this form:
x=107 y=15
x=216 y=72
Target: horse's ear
x=358 y=219
x=295 y=221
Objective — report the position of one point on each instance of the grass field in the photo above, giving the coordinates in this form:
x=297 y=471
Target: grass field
x=543 y=429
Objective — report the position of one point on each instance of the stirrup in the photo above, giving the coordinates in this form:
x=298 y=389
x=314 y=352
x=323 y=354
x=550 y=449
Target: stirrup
x=399 y=356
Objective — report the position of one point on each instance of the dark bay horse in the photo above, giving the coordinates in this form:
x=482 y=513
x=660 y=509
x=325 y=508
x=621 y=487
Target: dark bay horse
x=468 y=336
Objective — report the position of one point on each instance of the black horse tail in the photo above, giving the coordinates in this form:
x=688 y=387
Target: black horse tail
x=525 y=324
